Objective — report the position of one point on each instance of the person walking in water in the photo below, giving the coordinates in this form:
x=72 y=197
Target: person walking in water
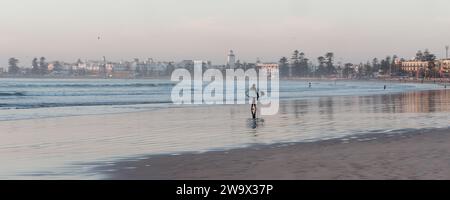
x=253 y=93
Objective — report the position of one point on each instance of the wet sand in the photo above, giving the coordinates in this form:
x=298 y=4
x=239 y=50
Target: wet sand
x=422 y=154
x=69 y=147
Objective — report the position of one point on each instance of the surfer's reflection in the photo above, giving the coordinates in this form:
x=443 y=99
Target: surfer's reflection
x=255 y=123
x=254 y=94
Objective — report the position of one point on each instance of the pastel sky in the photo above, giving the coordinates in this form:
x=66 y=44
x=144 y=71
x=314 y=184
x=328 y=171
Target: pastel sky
x=355 y=30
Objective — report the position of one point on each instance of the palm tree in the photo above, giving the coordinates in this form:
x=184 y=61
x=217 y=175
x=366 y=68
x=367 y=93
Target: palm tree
x=301 y=56
x=57 y=66
x=375 y=64
x=419 y=55
x=329 y=61
x=13 y=68
x=295 y=57
x=303 y=65
x=43 y=66
x=284 y=67
x=393 y=65
x=35 y=66
x=368 y=70
x=321 y=70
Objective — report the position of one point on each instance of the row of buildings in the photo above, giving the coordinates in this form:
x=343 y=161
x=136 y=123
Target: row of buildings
x=402 y=68
x=123 y=69
x=419 y=68
x=413 y=68
x=102 y=68
x=150 y=68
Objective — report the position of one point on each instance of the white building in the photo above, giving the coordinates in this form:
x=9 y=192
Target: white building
x=231 y=60
x=184 y=64
x=158 y=67
x=272 y=68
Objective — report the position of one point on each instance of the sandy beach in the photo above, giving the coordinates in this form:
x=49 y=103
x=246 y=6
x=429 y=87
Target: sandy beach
x=422 y=154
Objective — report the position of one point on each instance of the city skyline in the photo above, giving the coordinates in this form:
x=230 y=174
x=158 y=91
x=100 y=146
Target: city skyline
x=169 y=30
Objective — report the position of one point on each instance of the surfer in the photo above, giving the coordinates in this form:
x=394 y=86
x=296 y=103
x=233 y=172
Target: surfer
x=254 y=94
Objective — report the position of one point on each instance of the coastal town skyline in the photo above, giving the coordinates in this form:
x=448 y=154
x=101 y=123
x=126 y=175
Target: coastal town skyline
x=27 y=61
x=424 y=64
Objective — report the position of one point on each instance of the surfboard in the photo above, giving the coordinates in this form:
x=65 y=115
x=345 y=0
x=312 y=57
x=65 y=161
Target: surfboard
x=252 y=93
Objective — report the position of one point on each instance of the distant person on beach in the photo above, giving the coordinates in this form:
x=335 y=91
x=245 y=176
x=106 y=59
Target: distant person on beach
x=254 y=94
x=309 y=84
x=385 y=87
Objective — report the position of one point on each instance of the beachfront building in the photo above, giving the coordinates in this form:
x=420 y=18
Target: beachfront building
x=184 y=64
x=444 y=67
x=58 y=68
x=231 y=60
x=416 y=68
x=150 y=68
x=157 y=68
x=121 y=70
x=358 y=68
x=88 y=67
x=438 y=68
x=270 y=67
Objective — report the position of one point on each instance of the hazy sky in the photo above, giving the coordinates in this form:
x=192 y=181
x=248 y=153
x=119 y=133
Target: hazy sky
x=356 y=30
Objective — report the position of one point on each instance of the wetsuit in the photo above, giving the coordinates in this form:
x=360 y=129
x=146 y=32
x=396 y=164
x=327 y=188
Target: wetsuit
x=253 y=93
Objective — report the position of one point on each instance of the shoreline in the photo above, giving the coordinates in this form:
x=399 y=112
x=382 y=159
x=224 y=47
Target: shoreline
x=438 y=81
x=85 y=78
x=399 y=79
x=417 y=154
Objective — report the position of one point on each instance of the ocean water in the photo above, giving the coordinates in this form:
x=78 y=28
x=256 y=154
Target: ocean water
x=59 y=129
x=39 y=98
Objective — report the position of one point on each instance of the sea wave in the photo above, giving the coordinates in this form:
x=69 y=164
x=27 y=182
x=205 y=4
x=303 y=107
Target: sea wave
x=8 y=94
x=49 y=105
x=86 y=94
x=87 y=85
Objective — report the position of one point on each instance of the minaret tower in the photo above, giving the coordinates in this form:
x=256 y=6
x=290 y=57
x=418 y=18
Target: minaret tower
x=231 y=60
x=446 y=52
